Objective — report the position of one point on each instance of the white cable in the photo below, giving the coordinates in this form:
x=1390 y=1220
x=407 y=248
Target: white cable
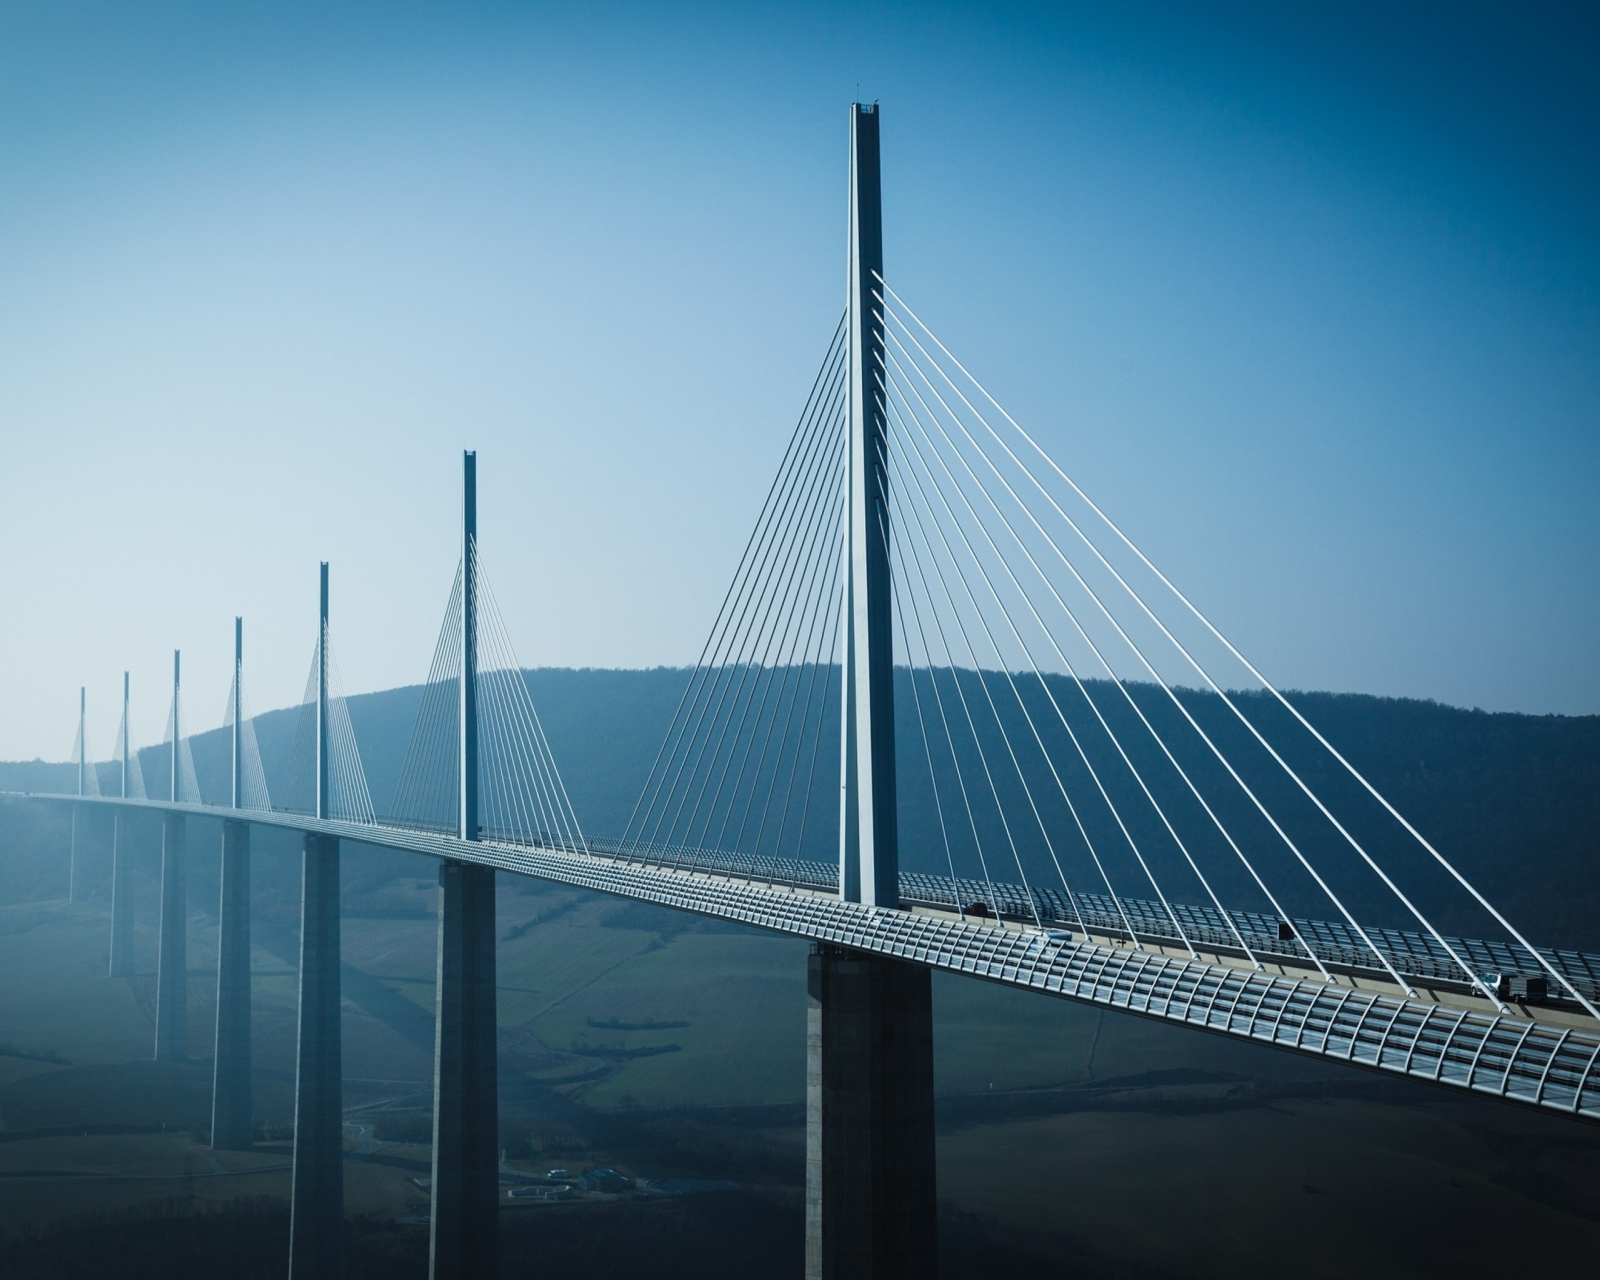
x=755 y=577
x=1115 y=741
x=566 y=824
x=827 y=584
x=1381 y=956
x=933 y=679
x=1272 y=689
x=1104 y=795
x=1355 y=773
x=927 y=749
x=799 y=550
x=751 y=562
x=802 y=605
x=1110 y=672
x=983 y=684
x=543 y=816
x=799 y=648
x=762 y=600
x=1121 y=686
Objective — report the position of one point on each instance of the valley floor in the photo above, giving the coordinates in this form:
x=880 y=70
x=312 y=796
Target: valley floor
x=1071 y=1140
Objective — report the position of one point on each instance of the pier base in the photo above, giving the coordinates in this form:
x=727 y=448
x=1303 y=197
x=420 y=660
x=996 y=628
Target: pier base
x=466 y=1112
x=172 y=967
x=121 y=896
x=232 y=1115
x=316 y=1213
x=870 y=1188
x=74 y=892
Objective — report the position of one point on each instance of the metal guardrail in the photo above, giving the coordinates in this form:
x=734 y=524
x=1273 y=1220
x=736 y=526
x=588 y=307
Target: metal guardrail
x=1415 y=955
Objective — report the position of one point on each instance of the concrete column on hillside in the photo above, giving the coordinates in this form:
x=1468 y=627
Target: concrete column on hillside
x=466 y=1121
x=870 y=1187
x=316 y=1221
x=232 y=1115
x=172 y=968
x=121 y=895
x=74 y=892
x=74 y=886
x=121 y=859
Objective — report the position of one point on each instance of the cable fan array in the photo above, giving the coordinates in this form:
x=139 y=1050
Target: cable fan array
x=1080 y=722
x=87 y=769
x=253 y=777
x=750 y=761
x=1078 y=744
x=184 y=787
x=348 y=797
x=129 y=776
x=521 y=798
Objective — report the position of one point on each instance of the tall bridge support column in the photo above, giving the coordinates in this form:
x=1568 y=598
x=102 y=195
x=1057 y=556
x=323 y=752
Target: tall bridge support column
x=122 y=863
x=232 y=1112
x=316 y=1214
x=74 y=891
x=74 y=888
x=464 y=1239
x=121 y=895
x=172 y=967
x=870 y=1186
x=466 y=1096
x=869 y=1042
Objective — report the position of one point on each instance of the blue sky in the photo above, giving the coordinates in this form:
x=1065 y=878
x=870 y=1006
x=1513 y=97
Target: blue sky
x=1308 y=302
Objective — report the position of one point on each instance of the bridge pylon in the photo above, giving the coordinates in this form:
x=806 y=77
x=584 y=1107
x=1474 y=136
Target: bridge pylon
x=316 y=1212
x=464 y=1226
x=869 y=858
x=870 y=1192
x=232 y=1115
x=172 y=966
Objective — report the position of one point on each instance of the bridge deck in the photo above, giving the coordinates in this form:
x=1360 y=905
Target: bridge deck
x=1550 y=1059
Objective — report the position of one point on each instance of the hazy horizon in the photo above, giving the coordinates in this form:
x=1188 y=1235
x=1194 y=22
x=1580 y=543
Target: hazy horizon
x=1307 y=302
x=146 y=744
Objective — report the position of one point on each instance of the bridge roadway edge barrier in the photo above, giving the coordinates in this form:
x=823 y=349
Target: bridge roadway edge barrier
x=465 y=1189
x=871 y=1207
x=1504 y=1057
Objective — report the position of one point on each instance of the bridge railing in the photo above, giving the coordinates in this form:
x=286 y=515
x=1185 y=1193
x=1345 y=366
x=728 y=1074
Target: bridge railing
x=1417 y=955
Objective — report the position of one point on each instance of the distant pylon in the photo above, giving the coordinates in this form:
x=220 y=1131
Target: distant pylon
x=869 y=863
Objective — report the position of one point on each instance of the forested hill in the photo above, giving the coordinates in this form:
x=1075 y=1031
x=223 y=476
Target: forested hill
x=1513 y=800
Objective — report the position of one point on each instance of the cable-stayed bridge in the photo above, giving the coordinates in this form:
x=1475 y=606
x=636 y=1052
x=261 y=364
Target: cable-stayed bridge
x=948 y=716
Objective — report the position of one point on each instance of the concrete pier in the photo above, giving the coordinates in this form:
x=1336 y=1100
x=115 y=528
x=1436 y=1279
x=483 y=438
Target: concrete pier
x=466 y=1098
x=232 y=1114
x=172 y=969
x=316 y=1216
x=74 y=893
x=870 y=1187
x=74 y=890
x=121 y=896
